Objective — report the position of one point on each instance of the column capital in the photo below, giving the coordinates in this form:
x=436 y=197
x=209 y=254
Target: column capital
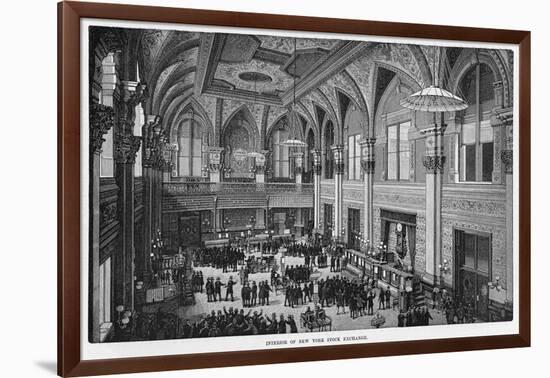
x=126 y=148
x=101 y=121
x=133 y=93
x=337 y=147
x=367 y=142
x=215 y=158
x=434 y=164
x=317 y=167
x=502 y=117
x=368 y=166
x=339 y=165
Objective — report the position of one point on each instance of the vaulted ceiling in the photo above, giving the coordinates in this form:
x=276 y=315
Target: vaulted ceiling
x=220 y=74
x=261 y=68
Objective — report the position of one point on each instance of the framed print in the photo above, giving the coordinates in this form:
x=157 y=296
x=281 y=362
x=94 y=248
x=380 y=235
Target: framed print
x=239 y=188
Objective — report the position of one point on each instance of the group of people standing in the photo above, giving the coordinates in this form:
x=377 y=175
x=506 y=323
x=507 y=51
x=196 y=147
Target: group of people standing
x=226 y=258
x=214 y=289
x=253 y=294
x=298 y=273
x=414 y=316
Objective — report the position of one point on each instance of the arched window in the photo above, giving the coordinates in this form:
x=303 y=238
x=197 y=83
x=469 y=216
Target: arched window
x=394 y=123
x=280 y=161
x=106 y=97
x=353 y=129
x=476 y=138
x=399 y=151
x=308 y=164
x=189 y=148
x=329 y=157
x=138 y=123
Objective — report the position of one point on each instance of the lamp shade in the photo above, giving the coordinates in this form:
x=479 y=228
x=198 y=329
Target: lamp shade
x=434 y=99
x=294 y=143
x=295 y=130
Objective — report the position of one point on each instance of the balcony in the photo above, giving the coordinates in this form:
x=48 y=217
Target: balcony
x=179 y=188
x=195 y=196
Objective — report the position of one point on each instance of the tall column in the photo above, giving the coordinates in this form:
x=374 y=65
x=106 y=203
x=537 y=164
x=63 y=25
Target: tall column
x=101 y=121
x=339 y=168
x=143 y=263
x=507 y=157
x=434 y=162
x=126 y=147
x=317 y=169
x=157 y=193
x=298 y=166
x=368 y=164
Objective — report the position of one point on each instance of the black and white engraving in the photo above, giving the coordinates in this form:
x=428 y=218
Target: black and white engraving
x=257 y=185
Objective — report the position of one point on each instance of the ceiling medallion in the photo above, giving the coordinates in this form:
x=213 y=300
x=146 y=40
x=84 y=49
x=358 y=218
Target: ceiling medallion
x=255 y=77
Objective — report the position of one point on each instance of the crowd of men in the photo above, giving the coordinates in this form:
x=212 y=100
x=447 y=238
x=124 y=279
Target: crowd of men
x=235 y=322
x=415 y=316
x=298 y=273
x=225 y=258
x=356 y=297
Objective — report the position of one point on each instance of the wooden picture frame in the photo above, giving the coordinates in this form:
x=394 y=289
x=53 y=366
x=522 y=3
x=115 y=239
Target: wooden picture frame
x=69 y=170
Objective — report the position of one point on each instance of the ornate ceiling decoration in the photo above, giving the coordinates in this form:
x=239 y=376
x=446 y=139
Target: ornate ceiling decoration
x=261 y=69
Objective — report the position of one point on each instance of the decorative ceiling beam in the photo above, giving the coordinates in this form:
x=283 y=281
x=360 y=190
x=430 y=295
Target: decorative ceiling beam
x=241 y=95
x=335 y=62
x=206 y=49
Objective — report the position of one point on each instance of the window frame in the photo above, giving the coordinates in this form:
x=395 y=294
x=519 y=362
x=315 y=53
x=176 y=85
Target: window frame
x=398 y=151
x=278 y=163
x=477 y=119
x=354 y=162
x=190 y=155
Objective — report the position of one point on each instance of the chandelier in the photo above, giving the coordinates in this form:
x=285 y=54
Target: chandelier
x=434 y=99
x=294 y=123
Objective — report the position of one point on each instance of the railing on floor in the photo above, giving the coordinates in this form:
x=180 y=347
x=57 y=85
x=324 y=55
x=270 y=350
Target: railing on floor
x=178 y=188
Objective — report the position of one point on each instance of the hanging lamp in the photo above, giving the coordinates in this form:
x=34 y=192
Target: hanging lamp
x=434 y=99
x=294 y=122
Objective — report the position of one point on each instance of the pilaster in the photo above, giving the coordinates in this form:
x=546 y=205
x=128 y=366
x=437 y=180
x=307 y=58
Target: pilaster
x=339 y=169
x=368 y=165
x=317 y=170
x=434 y=162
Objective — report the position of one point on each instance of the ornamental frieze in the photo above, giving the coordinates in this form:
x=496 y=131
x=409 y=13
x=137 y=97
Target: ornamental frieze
x=413 y=202
x=356 y=195
x=482 y=207
x=327 y=190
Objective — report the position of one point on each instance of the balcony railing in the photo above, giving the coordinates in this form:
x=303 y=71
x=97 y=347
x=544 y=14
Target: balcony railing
x=179 y=188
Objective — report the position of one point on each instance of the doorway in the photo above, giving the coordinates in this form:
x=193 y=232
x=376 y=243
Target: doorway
x=473 y=266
